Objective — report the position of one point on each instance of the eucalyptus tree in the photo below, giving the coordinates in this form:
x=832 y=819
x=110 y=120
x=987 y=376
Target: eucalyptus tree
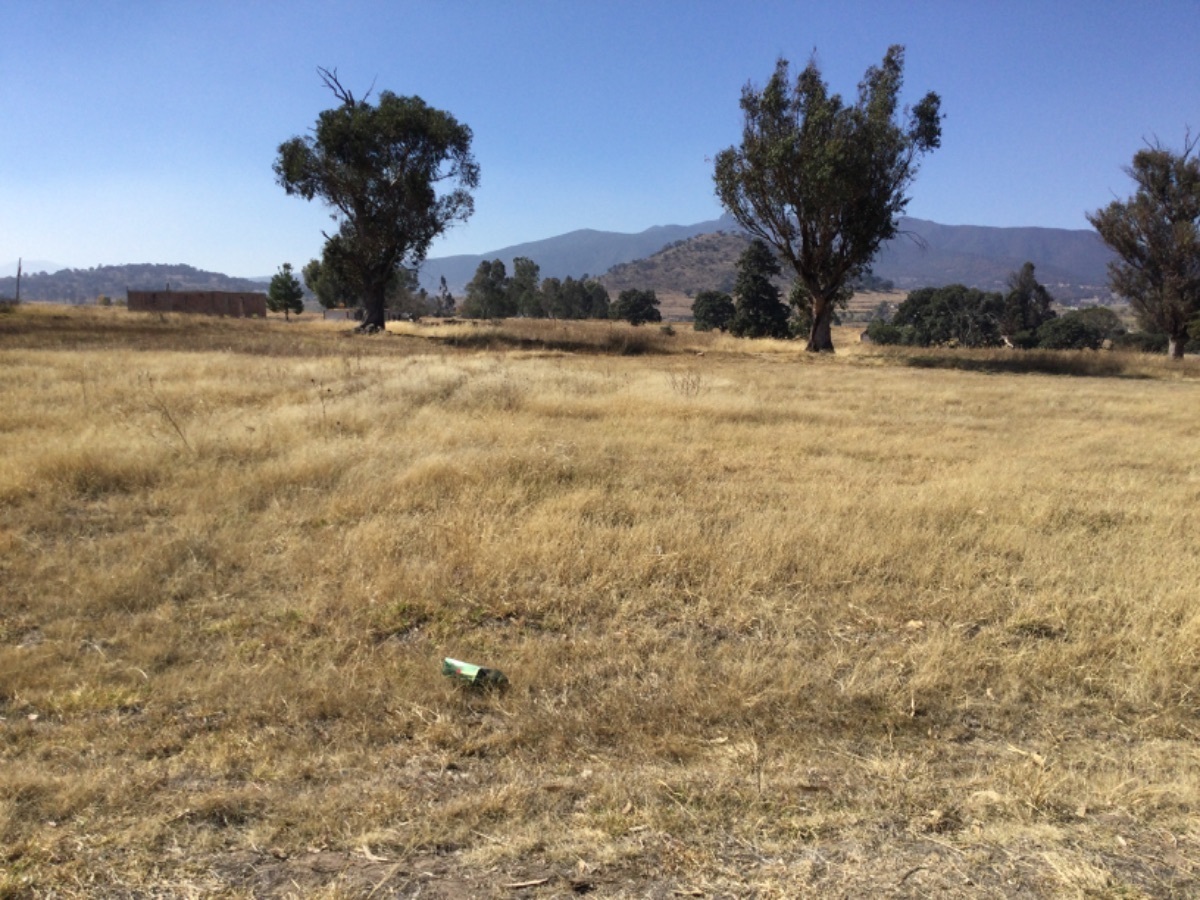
x=396 y=174
x=825 y=182
x=1156 y=236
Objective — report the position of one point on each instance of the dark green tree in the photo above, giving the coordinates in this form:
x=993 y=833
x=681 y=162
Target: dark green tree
x=285 y=294
x=636 y=307
x=525 y=297
x=1156 y=236
x=1072 y=331
x=1026 y=307
x=759 y=311
x=823 y=182
x=597 y=299
x=487 y=294
x=397 y=174
x=712 y=310
x=322 y=278
x=954 y=314
x=573 y=300
x=552 y=299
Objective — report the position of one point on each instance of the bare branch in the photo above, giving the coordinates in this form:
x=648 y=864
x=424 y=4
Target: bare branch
x=330 y=78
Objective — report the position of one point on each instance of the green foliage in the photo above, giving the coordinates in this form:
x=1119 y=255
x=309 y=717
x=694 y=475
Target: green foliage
x=1026 y=306
x=1156 y=236
x=322 y=278
x=1083 y=329
x=636 y=307
x=880 y=331
x=525 y=299
x=869 y=281
x=823 y=182
x=493 y=294
x=574 y=299
x=285 y=294
x=597 y=300
x=712 y=310
x=1072 y=331
x=396 y=174
x=759 y=310
x=951 y=315
x=488 y=296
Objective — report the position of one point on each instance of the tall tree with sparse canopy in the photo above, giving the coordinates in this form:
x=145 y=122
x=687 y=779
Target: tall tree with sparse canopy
x=823 y=182
x=1156 y=236
x=397 y=174
x=285 y=294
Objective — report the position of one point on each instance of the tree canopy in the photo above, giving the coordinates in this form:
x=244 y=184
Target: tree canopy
x=954 y=314
x=396 y=173
x=712 y=309
x=825 y=182
x=1156 y=236
x=488 y=295
x=1027 y=306
x=636 y=307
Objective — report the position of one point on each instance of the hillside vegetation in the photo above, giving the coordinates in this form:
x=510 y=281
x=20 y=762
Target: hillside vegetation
x=85 y=285
x=774 y=624
x=704 y=263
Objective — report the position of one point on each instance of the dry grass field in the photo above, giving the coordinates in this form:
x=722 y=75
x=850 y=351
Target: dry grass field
x=881 y=624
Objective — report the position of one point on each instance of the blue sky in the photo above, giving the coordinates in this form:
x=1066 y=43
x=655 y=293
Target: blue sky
x=145 y=131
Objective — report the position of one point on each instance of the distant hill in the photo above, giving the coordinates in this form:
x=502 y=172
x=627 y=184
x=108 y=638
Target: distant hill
x=27 y=266
x=1072 y=264
x=701 y=263
x=682 y=259
x=577 y=253
x=85 y=285
x=691 y=258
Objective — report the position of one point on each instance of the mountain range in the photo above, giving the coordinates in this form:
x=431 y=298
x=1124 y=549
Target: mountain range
x=576 y=253
x=1071 y=263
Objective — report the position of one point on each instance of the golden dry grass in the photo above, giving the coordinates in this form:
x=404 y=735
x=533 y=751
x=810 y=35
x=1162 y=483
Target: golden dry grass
x=774 y=625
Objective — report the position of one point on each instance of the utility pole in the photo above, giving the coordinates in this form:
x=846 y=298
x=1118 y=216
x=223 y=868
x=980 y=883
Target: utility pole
x=18 y=297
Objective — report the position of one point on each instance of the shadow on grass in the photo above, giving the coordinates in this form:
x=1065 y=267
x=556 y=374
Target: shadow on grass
x=614 y=344
x=1078 y=363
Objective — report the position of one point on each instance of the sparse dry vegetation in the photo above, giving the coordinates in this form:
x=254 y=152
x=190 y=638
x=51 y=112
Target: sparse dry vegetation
x=776 y=625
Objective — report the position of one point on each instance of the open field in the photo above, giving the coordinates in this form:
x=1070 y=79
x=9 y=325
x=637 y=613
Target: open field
x=894 y=624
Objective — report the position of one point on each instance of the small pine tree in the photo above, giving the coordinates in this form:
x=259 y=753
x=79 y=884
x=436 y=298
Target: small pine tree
x=285 y=294
x=760 y=312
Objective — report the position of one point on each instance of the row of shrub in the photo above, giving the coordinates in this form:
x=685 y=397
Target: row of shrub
x=956 y=315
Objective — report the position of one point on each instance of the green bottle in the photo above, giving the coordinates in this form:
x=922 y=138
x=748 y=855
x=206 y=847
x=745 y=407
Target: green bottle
x=477 y=676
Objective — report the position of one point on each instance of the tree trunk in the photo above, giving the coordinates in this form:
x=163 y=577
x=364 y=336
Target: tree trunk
x=820 y=338
x=373 y=312
x=1175 y=345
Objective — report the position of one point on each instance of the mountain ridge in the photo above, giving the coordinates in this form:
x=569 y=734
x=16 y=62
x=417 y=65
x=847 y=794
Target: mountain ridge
x=1072 y=263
